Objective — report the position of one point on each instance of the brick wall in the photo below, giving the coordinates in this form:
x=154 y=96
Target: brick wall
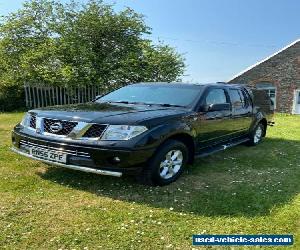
x=283 y=70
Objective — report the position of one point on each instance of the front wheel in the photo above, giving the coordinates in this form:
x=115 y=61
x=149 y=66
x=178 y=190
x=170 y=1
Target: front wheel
x=257 y=135
x=166 y=165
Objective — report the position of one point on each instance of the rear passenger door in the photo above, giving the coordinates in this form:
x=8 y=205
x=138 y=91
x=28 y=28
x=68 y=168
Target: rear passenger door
x=241 y=110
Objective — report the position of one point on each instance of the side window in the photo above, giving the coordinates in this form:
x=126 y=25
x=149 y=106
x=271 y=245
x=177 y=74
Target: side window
x=244 y=99
x=216 y=96
x=236 y=98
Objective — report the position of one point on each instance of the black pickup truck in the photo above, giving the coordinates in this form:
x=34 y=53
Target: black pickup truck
x=152 y=130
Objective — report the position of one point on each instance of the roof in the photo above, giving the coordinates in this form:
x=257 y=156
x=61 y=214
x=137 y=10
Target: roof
x=182 y=84
x=266 y=59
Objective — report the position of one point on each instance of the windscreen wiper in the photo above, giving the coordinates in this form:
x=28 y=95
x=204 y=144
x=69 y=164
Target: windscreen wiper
x=126 y=102
x=145 y=103
x=169 y=105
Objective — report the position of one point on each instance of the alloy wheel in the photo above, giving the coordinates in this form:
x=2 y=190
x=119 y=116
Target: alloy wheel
x=258 y=134
x=172 y=163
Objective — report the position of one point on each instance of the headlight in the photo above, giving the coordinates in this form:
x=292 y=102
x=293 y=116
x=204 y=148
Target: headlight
x=122 y=132
x=26 y=120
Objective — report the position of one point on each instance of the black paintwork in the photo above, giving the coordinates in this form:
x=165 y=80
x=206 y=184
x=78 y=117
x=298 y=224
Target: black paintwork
x=194 y=125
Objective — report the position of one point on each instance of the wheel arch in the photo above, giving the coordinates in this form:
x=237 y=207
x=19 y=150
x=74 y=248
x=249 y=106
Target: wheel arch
x=259 y=118
x=186 y=139
x=264 y=122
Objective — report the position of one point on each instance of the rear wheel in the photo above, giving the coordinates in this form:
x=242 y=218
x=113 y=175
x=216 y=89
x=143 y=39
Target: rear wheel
x=166 y=165
x=257 y=134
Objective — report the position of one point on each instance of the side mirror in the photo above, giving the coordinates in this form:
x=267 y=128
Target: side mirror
x=216 y=107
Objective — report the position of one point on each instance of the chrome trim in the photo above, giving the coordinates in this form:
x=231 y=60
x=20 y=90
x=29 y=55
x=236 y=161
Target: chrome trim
x=87 y=144
x=56 y=127
x=74 y=167
x=71 y=152
x=58 y=120
x=94 y=138
x=54 y=135
x=79 y=130
x=76 y=134
x=39 y=125
x=100 y=138
x=30 y=128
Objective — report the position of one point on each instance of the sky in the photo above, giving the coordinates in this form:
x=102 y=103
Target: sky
x=218 y=38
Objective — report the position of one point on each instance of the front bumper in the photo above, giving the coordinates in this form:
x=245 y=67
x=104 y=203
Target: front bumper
x=74 y=167
x=86 y=158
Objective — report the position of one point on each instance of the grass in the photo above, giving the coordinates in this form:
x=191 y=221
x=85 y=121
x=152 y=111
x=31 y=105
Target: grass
x=243 y=190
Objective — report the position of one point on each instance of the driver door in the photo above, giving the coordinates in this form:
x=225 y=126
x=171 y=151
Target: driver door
x=214 y=127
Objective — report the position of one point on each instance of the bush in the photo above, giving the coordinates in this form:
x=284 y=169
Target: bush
x=12 y=98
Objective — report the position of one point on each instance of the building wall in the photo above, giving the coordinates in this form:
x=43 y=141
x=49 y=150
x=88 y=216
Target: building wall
x=283 y=70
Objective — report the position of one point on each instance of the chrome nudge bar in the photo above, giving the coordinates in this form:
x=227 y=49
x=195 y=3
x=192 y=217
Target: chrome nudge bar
x=74 y=167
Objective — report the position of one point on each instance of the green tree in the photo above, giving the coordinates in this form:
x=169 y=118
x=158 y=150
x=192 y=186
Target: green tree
x=50 y=43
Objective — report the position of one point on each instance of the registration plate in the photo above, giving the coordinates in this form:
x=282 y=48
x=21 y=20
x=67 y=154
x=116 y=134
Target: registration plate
x=49 y=155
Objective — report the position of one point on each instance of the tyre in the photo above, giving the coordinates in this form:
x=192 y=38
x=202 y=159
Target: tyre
x=166 y=165
x=257 y=135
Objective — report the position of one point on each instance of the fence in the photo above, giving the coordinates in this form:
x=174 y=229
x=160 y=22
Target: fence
x=37 y=97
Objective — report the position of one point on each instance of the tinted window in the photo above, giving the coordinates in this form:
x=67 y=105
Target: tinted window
x=155 y=94
x=236 y=99
x=244 y=98
x=216 y=96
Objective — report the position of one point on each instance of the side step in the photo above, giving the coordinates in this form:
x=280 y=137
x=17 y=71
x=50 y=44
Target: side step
x=220 y=147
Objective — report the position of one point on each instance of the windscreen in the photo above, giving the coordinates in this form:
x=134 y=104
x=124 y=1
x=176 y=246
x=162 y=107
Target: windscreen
x=152 y=94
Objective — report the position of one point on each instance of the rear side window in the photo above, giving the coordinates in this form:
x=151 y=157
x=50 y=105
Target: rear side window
x=216 y=96
x=244 y=97
x=236 y=99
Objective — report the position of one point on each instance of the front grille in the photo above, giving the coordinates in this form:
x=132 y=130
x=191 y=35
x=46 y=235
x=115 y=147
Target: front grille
x=26 y=145
x=95 y=131
x=67 y=126
x=33 y=121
